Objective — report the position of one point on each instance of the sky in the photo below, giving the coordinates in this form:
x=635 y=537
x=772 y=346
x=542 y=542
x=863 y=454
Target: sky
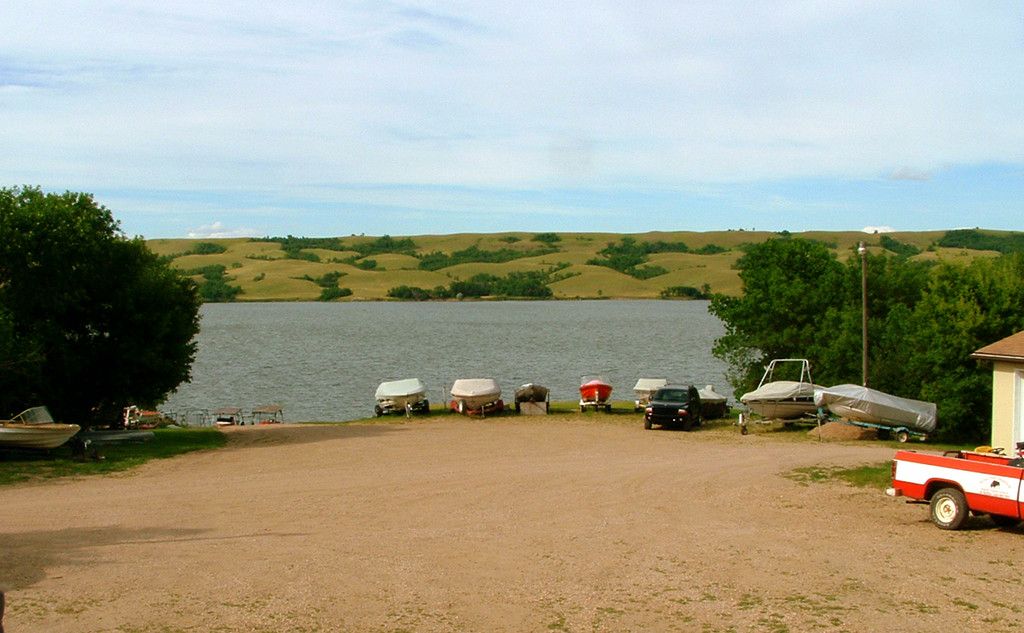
x=223 y=119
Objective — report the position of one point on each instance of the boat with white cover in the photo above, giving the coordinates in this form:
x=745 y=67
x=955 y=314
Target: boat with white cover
x=475 y=394
x=863 y=404
x=644 y=389
x=783 y=399
x=35 y=428
x=712 y=404
x=401 y=396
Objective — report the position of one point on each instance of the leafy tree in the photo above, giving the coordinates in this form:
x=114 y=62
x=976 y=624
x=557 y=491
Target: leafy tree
x=90 y=321
x=788 y=285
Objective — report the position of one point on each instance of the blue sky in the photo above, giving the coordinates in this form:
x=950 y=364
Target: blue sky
x=337 y=118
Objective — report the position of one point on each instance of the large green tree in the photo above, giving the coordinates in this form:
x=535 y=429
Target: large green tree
x=90 y=320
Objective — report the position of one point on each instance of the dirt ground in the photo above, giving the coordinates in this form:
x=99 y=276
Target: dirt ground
x=563 y=523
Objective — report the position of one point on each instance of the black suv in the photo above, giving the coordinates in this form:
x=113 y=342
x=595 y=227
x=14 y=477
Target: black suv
x=674 y=405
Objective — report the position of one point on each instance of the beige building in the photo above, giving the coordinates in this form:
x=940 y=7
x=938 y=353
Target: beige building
x=1007 y=358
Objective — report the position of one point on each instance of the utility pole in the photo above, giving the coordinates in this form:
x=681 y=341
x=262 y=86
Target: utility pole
x=863 y=250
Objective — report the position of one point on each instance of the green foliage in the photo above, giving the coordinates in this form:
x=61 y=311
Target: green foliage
x=207 y=248
x=924 y=322
x=686 y=292
x=215 y=287
x=977 y=240
x=410 y=293
x=438 y=260
x=627 y=255
x=546 y=238
x=366 y=264
x=710 y=249
x=327 y=280
x=385 y=244
x=510 y=239
x=330 y=294
x=292 y=244
x=902 y=249
x=90 y=321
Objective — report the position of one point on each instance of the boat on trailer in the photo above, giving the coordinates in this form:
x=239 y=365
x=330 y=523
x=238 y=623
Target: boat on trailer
x=35 y=428
x=644 y=389
x=475 y=396
x=401 y=396
x=863 y=406
x=783 y=399
x=594 y=392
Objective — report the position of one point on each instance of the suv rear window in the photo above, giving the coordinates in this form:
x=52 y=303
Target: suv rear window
x=672 y=395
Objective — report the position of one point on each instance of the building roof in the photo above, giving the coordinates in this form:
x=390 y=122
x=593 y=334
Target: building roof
x=1010 y=348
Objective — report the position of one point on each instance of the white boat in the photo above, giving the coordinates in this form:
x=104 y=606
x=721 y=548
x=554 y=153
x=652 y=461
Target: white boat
x=644 y=389
x=401 y=396
x=712 y=404
x=35 y=428
x=863 y=404
x=783 y=399
x=471 y=394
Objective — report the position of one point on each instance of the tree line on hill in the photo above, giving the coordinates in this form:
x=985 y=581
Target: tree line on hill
x=924 y=321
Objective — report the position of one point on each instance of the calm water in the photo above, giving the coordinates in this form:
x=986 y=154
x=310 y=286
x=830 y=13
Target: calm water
x=323 y=361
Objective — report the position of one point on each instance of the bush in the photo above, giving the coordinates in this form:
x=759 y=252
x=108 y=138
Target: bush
x=330 y=294
x=207 y=248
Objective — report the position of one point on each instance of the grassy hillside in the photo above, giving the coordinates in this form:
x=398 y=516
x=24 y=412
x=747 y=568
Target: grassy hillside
x=370 y=266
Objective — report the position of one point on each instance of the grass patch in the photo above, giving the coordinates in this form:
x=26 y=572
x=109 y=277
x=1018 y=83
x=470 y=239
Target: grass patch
x=866 y=476
x=22 y=466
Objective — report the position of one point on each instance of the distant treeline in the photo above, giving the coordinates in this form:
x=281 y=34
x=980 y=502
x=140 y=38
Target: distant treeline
x=979 y=241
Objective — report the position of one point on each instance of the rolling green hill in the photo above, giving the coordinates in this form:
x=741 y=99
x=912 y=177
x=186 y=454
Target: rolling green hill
x=582 y=265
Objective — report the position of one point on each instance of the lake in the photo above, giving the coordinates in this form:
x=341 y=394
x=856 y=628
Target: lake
x=323 y=361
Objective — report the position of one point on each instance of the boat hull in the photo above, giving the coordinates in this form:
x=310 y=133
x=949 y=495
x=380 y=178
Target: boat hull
x=39 y=436
x=782 y=399
x=782 y=410
x=595 y=391
x=475 y=394
x=861 y=404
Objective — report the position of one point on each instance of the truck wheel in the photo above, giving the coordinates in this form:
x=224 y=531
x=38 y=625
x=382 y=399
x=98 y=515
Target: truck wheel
x=686 y=424
x=647 y=424
x=902 y=436
x=949 y=509
x=1004 y=521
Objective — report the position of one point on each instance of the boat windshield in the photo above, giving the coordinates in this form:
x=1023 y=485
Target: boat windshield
x=35 y=415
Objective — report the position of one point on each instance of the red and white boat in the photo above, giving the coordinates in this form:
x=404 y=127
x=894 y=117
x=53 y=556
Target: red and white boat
x=594 y=392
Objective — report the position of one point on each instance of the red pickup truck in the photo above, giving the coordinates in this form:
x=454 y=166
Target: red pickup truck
x=958 y=483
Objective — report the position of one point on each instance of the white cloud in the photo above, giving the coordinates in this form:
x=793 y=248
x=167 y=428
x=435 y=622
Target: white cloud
x=217 y=229
x=878 y=229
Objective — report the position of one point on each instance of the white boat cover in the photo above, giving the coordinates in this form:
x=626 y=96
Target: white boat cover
x=475 y=388
x=400 y=389
x=780 y=390
x=876 y=407
x=709 y=395
x=649 y=384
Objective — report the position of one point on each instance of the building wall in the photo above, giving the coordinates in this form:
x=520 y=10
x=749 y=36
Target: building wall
x=1007 y=381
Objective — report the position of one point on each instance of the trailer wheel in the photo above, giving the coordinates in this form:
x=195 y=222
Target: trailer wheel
x=949 y=509
x=377 y=411
x=607 y=408
x=902 y=436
